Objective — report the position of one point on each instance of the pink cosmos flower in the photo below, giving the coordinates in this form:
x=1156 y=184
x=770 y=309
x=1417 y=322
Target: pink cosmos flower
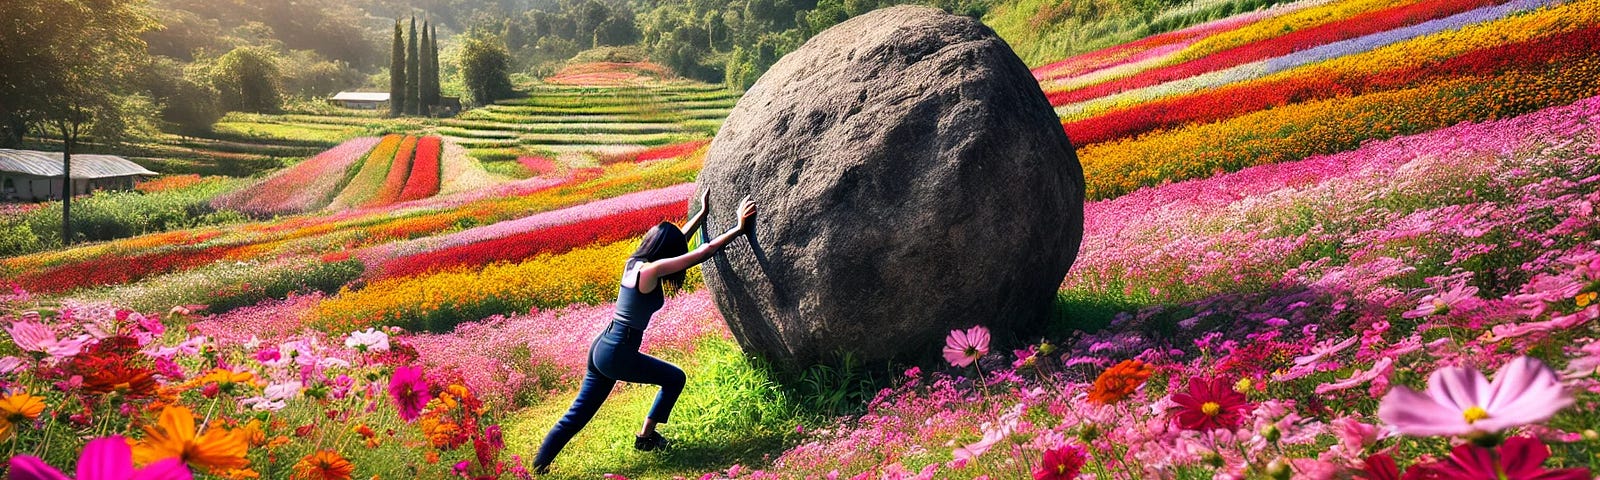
x=1360 y=377
x=1460 y=401
x=1459 y=296
x=962 y=348
x=36 y=337
x=107 y=458
x=410 y=392
x=1520 y=458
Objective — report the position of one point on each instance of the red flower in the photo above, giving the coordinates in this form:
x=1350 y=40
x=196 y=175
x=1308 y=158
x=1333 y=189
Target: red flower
x=1520 y=458
x=1210 y=404
x=1061 y=463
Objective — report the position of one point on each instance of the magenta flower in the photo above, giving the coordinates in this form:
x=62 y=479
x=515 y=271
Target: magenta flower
x=36 y=337
x=1520 y=458
x=107 y=458
x=1460 y=401
x=962 y=348
x=410 y=392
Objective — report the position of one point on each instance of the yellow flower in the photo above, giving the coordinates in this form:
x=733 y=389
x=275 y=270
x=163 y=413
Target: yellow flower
x=175 y=436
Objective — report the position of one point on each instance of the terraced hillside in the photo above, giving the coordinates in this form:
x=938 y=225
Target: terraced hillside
x=586 y=126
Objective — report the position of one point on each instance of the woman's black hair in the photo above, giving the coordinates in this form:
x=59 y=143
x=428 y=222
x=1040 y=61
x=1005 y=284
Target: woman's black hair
x=663 y=241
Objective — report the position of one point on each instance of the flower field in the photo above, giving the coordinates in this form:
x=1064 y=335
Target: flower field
x=1326 y=239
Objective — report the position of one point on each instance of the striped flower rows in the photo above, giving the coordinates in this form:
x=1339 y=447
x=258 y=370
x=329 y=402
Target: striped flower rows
x=307 y=186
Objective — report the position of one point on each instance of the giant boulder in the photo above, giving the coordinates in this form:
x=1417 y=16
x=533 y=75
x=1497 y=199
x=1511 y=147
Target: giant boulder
x=911 y=179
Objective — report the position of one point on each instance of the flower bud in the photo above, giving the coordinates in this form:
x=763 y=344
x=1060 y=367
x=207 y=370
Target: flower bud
x=1271 y=433
x=1279 y=470
x=1243 y=385
x=1591 y=435
x=1045 y=348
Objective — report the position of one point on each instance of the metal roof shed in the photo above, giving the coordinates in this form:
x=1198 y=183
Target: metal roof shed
x=33 y=175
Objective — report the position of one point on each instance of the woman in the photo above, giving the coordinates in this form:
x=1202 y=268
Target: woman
x=660 y=262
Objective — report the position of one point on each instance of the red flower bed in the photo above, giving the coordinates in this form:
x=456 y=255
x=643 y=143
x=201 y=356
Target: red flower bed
x=670 y=151
x=424 y=179
x=116 y=269
x=657 y=153
x=1238 y=100
x=611 y=228
x=1359 y=25
x=399 y=172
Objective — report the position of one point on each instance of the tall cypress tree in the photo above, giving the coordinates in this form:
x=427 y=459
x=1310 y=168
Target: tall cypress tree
x=427 y=67
x=397 y=75
x=413 y=72
x=433 y=67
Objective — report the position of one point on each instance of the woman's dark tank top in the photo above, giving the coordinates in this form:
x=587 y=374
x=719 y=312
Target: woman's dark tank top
x=635 y=308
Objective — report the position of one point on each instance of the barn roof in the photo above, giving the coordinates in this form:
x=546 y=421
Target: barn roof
x=48 y=164
x=362 y=96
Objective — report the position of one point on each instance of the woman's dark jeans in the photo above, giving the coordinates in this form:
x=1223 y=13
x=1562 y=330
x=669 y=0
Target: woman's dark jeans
x=613 y=356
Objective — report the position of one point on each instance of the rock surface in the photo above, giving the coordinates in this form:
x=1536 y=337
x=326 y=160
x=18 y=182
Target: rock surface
x=911 y=178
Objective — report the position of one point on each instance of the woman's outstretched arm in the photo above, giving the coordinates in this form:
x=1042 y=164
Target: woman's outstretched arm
x=698 y=219
x=649 y=272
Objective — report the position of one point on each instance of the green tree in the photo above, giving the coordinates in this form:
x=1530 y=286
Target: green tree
x=413 y=73
x=397 y=74
x=485 y=69
x=249 y=80
x=71 y=65
x=188 y=102
x=433 y=67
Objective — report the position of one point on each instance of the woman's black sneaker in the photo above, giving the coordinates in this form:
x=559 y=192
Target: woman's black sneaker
x=653 y=441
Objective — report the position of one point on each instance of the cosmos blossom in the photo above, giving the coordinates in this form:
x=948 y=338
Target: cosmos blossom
x=410 y=392
x=1210 y=404
x=962 y=348
x=1460 y=401
x=1061 y=463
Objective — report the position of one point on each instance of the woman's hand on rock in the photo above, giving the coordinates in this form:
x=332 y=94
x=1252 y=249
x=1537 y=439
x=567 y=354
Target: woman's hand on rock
x=747 y=213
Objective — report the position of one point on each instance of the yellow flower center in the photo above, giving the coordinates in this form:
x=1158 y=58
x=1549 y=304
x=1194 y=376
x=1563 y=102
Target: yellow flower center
x=1474 y=414
x=1585 y=299
x=1061 y=469
x=1211 y=409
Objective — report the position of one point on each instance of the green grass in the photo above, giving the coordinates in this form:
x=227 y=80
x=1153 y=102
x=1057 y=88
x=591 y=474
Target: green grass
x=731 y=412
x=323 y=134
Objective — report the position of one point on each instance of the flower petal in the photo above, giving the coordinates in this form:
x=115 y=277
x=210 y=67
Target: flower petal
x=1413 y=413
x=106 y=459
x=1458 y=387
x=169 y=469
x=24 y=467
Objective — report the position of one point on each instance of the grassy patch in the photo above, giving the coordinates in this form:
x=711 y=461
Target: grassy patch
x=731 y=412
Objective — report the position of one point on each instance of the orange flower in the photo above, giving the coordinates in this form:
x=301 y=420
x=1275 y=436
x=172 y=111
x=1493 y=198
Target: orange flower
x=323 y=465
x=216 y=449
x=18 y=408
x=1119 y=381
x=253 y=433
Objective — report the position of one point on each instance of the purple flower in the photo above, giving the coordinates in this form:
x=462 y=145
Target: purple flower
x=107 y=458
x=962 y=348
x=1460 y=401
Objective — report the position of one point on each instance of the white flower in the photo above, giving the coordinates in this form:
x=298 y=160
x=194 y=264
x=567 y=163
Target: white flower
x=369 y=340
